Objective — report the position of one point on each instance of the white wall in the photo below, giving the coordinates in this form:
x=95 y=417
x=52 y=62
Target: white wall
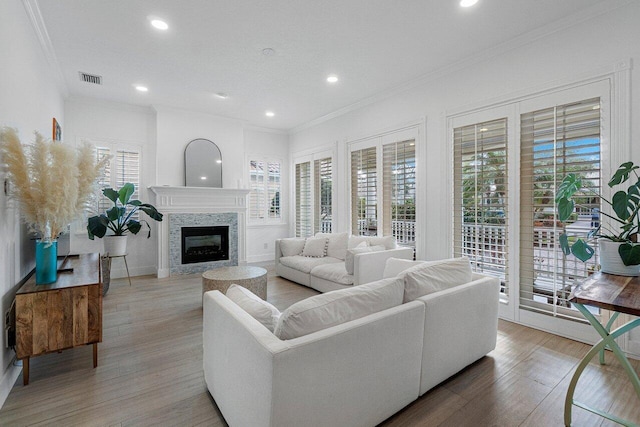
x=261 y=238
x=29 y=100
x=121 y=123
x=569 y=53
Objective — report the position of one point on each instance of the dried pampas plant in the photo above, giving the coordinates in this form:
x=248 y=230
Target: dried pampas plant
x=52 y=182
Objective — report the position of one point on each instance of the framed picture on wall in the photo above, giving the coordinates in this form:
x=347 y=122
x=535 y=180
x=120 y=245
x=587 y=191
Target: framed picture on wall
x=56 y=131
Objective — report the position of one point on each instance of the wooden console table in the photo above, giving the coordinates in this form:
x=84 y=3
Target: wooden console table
x=619 y=294
x=60 y=315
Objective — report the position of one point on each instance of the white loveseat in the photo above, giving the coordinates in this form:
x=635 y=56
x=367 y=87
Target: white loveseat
x=345 y=262
x=356 y=373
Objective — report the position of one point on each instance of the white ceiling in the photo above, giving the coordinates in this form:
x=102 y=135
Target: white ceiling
x=216 y=46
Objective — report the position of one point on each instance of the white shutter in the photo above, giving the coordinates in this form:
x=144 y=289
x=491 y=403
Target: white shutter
x=399 y=191
x=323 y=181
x=273 y=189
x=555 y=141
x=303 y=199
x=364 y=202
x=481 y=197
x=257 y=194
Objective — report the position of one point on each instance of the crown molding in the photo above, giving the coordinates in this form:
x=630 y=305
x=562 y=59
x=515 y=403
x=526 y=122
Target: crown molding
x=482 y=56
x=40 y=29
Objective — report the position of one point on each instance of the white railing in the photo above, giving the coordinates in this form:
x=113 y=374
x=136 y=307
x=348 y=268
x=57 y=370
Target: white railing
x=403 y=231
x=326 y=226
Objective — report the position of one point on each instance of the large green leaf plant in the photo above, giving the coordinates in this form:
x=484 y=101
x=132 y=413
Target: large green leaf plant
x=624 y=204
x=119 y=219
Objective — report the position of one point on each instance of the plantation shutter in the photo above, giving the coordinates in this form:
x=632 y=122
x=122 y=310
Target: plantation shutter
x=273 y=190
x=127 y=169
x=104 y=181
x=303 y=199
x=364 y=216
x=481 y=197
x=556 y=141
x=323 y=181
x=399 y=191
x=257 y=195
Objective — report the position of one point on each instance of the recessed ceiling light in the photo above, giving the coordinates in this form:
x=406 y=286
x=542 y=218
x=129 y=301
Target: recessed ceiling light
x=269 y=113
x=218 y=161
x=468 y=3
x=204 y=178
x=159 y=24
x=142 y=88
x=221 y=95
x=267 y=51
x=332 y=78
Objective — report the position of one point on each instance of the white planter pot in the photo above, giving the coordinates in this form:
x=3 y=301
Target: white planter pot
x=611 y=263
x=115 y=245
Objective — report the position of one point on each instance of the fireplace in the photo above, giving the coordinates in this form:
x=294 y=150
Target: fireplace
x=204 y=244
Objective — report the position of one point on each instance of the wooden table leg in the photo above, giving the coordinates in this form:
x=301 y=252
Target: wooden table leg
x=25 y=371
x=95 y=355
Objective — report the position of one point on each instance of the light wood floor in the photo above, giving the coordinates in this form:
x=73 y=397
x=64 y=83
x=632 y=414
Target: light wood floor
x=150 y=372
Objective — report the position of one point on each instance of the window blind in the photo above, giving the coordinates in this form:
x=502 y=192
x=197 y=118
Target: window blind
x=124 y=167
x=257 y=195
x=555 y=141
x=273 y=189
x=323 y=181
x=303 y=199
x=481 y=197
x=399 y=191
x=364 y=202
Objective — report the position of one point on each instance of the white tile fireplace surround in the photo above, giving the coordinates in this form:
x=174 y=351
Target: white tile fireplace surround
x=202 y=207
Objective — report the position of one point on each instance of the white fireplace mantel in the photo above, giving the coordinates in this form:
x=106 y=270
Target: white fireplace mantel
x=170 y=200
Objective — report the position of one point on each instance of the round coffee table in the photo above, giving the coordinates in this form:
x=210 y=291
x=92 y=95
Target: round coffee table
x=252 y=278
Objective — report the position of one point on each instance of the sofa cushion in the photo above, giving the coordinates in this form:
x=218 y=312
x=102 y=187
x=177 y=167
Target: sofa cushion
x=258 y=308
x=290 y=247
x=348 y=262
x=336 y=244
x=306 y=264
x=336 y=307
x=389 y=242
x=356 y=241
x=435 y=276
x=315 y=247
x=395 y=266
x=334 y=272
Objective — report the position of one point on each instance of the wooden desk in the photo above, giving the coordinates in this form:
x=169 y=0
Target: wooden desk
x=60 y=315
x=619 y=294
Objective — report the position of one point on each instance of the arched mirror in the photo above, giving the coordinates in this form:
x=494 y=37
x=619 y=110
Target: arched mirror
x=202 y=164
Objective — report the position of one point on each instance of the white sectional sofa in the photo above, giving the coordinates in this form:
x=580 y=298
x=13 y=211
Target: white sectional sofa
x=355 y=373
x=347 y=260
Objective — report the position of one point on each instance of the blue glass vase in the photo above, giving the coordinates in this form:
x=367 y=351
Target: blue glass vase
x=46 y=261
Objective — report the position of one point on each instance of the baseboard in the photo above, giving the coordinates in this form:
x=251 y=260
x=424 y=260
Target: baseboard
x=261 y=258
x=8 y=380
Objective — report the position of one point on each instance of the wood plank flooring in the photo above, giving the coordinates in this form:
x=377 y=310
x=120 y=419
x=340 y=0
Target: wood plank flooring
x=150 y=372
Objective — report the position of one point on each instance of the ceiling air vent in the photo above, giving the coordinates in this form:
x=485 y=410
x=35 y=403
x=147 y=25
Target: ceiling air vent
x=90 y=78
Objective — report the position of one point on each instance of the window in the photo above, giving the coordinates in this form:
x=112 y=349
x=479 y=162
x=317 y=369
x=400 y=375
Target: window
x=264 y=198
x=303 y=200
x=481 y=196
x=399 y=191
x=364 y=201
x=554 y=142
x=323 y=220
x=124 y=167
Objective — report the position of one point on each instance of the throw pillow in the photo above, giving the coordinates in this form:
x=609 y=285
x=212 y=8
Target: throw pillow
x=355 y=241
x=336 y=307
x=389 y=242
x=336 y=245
x=348 y=262
x=315 y=248
x=435 y=276
x=258 y=308
x=291 y=247
x=395 y=266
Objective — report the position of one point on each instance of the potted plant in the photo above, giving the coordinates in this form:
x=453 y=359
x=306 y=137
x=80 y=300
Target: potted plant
x=619 y=250
x=120 y=219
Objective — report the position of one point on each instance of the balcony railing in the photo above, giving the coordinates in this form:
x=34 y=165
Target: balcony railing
x=403 y=231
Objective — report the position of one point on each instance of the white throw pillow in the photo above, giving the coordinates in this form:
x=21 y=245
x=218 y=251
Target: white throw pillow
x=336 y=307
x=337 y=244
x=357 y=241
x=348 y=261
x=389 y=242
x=291 y=247
x=435 y=276
x=258 y=308
x=395 y=266
x=315 y=248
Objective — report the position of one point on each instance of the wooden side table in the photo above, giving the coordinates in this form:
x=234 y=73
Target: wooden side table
x=619 y=294
x=60 y=315
x=252 y=278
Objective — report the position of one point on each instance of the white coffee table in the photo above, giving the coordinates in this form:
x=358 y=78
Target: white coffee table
x=252 y=278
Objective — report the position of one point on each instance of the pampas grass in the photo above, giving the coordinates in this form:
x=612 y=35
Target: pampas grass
x=52 y=182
